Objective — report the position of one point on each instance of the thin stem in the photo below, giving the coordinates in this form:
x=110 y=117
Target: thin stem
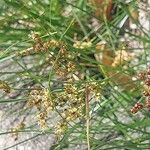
x=87 y=117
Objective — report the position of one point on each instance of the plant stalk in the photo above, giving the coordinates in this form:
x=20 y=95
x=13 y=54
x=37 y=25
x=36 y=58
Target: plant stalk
x=87 y=99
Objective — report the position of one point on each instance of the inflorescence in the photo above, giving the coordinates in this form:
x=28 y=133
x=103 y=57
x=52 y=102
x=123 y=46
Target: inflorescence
x=145 y=77
x=68 y=101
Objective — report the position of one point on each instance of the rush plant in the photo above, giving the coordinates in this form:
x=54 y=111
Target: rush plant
x=69 y=74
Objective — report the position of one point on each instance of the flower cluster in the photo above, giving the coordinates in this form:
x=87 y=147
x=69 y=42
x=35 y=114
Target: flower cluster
x=60 y=127
x=72 y=102
x=82 y=45
x=95 y=89
x=63 y=61
x=4 y=86
x=64 y=68
x=145 y=77
x=138 y=106
x=15 y=130
x=42 y=100
x=121 y=56
x=39 y=45
x=68 y=101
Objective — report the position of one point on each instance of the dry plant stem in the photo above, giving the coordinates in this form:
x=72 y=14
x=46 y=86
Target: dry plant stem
x=87 y=99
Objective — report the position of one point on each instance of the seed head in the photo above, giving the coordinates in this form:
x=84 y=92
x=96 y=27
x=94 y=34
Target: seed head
x=60 y=128
x=147 y=81
x=4 y=86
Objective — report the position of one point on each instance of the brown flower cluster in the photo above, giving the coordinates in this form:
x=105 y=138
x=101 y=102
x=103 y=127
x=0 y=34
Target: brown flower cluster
x=60 y=127
x=39 y=45
x=138 y=106
x=69 y=103
x=145 y=77
x=42 y=100
x=16 y=130
x=67 y=99
x=64 y=67
x=64 y=62
x=4 y=86
x=72 y=101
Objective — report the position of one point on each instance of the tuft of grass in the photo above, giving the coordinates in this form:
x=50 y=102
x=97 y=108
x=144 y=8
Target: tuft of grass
x=56 y=60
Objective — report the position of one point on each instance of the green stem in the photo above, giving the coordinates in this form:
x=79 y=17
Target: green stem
x=87 y=118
